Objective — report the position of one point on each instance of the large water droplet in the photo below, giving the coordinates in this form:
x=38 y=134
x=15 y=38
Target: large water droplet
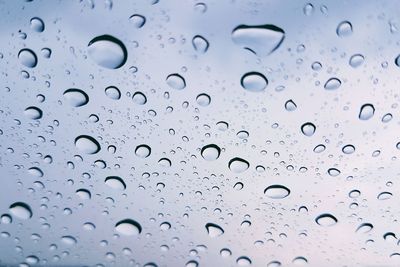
x=366 y=112
x=210 y=152
x=27 y=57
x=326 y=219
x=261 y=40
x=37 y=24
x=87 y=144
x=200 y=44
x=276 y=191
x=238 y=165
x=344 y=29
x=300 y=261
x=33 y=113
x=68 y=240
x=254 y=81
x=115 y=182
x=332 y=84
x=76 y=97
x=356 y=60
x=214 y=230
x=21 y=210
x=308 y=129
x=143 y=151
x=176 y=81
x=107 y=51
x=113 y=92
x=364 y=228
x=128 y=227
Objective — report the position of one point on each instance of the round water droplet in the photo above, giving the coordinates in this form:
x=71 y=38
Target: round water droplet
x=87 y=144
x=137 y=20
x=200 y=44
x=21 y=210
x=210 y=152
x=384 y=195
x=238 y=165
x=27 y=58
x=222 y=125
x=261 y=40
x=33 y=113
x=46 y=52
x=243 y=261
x=76 y=97
x=276 y=191
x=37 y=24
x=143 y=151
x=203 y=100
x=366 y=112
x=308 y=129
x=290 y=105
x=254 y=81
x=364 y=228
x=5 y=219
x=348 y=149
x=214 y=230
x=344 y=29
x=139 y=98
x=356 y=60
x=113 y=92
x=243 y=134
x=326 y=219
x=176 y=81
x=115 y=182
x=128 y=227
x=107 y=51
x=354 y=193
x=332 y=84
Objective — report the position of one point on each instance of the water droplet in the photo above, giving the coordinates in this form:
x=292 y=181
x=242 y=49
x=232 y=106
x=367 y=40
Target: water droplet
x=203 y=100
x=384 y=195
x=308 y=9
x=300 y=261
x=333 y=172
x=83 y=194
x=128 y=227
x=243 y=261
x=210 y=152
x=139 y=98
x=143 y=151
x=348 y=149
x=238 y=165
x=33 y=113
x=200 y=44
x=356 y=60
x=332 y=84
x=107 y=51
x=261 y=40
x=115 y=182
x=21 y=210
x=319 y=148
x=35 y=171
x=214 y=230
x=364 y=228
x=68 y=240
x=276 y=191
x=27 y=58
x=366 y=112
x=176 y=81
x=113 y=92
x=46 y=52
x=387 y=117
x=76 y=97
x=37 y=24
x=290 y=105
x=326 y=219
x=274 y=264
x=344 y=29
x=137 y=20
x=192 y=263
x=397 y=61
x=5 y=219
x=308 y=129
x=225 y=253
x=254 y=81
x=87 y=144
x=164 y=162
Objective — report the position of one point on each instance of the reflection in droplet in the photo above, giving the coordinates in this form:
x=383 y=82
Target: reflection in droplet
x=143 y=151
x=276 y=191
x=27 y=57
x=113 y=92
x=326 y=219
x=308 y=129
x=214 y=230
x=200 y=44
x=261 y=40
x=115 y=182
x=366 y=112
x=87 y=144
x=238 y=165
x=76 y=97
x=21 y=210
x=176 y=81
x=210 y=152
x=344 y=29
x=33 y=113
x=107 y=51
x=332 y=84
x=254 y=81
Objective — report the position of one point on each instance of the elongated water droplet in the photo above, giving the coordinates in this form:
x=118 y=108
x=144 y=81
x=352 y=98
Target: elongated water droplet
x=238 y=165
x=344 y=29
x=27 y=58
x=115 y=182
x=33 y=113
x=76 y=97
x=261 y=40
x=366 y=112
x=214 y=230
x=254 y=81
x=87 y=144
x=308 y=9
x=176 y=81
x=128 y=227
x=384 y=195
x=332 y=84
x=276 y=191
x=308 y=129
x=21 y=210
x=210 y=152
x=348 y=149
x=364 y=228
x=107 y=51
x=200 y=44
x=326 y=219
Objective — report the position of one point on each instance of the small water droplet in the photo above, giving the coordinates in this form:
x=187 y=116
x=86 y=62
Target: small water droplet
x=115 y=182
x=27 y=58
x=254 y=81
x=344 y=29
x=107 y=51
x=326 y=219
x=348 y=149
x=308 y=129
x=21 y=210
x=210 y=152
x=332 y=84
